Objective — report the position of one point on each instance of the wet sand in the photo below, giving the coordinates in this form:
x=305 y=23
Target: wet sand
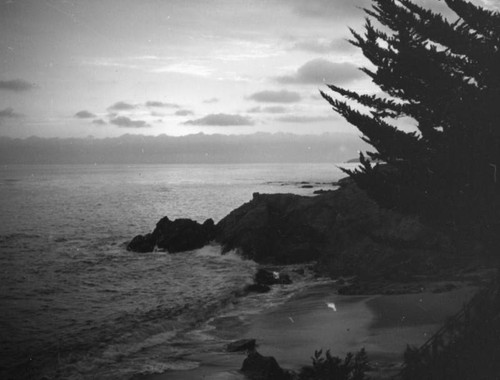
x=318 y=318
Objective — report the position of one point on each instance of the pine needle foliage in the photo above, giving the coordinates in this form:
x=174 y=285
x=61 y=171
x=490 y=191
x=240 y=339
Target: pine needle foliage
x=443 y=73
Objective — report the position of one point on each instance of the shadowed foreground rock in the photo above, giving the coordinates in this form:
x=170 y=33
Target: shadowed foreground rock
x=263 y=280
x=265 y=277
x=175 y=236
x=258 y=367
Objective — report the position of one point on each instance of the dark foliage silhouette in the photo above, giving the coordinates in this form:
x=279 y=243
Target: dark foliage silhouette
x=444 y=75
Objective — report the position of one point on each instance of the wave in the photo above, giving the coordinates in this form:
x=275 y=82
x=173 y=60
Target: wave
x=18 y=236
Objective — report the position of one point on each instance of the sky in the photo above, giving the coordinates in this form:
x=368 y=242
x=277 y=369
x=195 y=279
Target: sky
x=105 y=68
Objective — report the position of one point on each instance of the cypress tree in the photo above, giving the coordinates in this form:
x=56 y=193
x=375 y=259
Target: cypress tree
x=444 y=74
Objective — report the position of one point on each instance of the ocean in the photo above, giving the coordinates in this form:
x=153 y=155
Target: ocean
x=74 y=304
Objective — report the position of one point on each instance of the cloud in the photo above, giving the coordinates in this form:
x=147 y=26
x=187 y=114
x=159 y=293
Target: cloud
x=332 y=10
x=323 y=45
x=270 y=109
x=222 y=120
x=319 y=71
x=99 y=122
x=302 y=119
x=84 y=115
x=282 y=96
x=211 y=100
x=189 y=68
x=17 y=85
x=184 y=113
x=154 y=103
x=121 y=106
x=125 y=122
x=8 y=113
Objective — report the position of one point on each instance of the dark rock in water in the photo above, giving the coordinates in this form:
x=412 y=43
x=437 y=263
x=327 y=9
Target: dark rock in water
x=322 y=191
x=141 y=243
x=241 y=345
x=257 y=288
x=265 y=277
x=307 y=186
x=258 y=367
x=183 y=234
x=175 y=236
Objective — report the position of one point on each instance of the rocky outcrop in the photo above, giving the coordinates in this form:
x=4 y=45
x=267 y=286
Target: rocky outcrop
x=183 y=234
x=142 y=243
x=345 y=231
x=278 y=228
x=287 y=228
x=175 y=236
x=256 y=288
x=265 y=277
x=258 y=367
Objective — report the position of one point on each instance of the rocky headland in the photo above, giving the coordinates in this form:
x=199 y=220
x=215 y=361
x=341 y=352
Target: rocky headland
x=343 y=232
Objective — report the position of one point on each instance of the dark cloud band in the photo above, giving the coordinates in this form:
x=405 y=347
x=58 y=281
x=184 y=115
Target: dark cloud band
x=125 y=122
x=84 y=114
x=121 y=106
x=282 y=96
x=16 y=85
x=319 y=71
x=221 y=120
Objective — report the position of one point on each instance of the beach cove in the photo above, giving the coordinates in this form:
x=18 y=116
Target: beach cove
x=383 y=324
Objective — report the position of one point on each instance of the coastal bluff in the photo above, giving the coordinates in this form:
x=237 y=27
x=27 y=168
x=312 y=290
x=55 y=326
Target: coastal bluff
x=343 y=230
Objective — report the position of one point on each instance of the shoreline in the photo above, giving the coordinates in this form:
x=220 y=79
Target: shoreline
x=383 y=324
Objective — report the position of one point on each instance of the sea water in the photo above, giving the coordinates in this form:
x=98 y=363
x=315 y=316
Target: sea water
x=75 y=304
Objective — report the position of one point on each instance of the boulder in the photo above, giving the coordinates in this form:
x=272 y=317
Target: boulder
x=183 y=234
x=257 y=288
x=265 y=277
x=175 y=236
x=141 y=243
x=258 y=367
x=241 y=345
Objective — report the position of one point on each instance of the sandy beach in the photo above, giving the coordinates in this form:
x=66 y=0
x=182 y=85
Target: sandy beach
x=319 y=318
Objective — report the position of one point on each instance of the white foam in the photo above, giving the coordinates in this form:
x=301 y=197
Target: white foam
x=153 y=367
x=118 y=350
x=215 y=251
